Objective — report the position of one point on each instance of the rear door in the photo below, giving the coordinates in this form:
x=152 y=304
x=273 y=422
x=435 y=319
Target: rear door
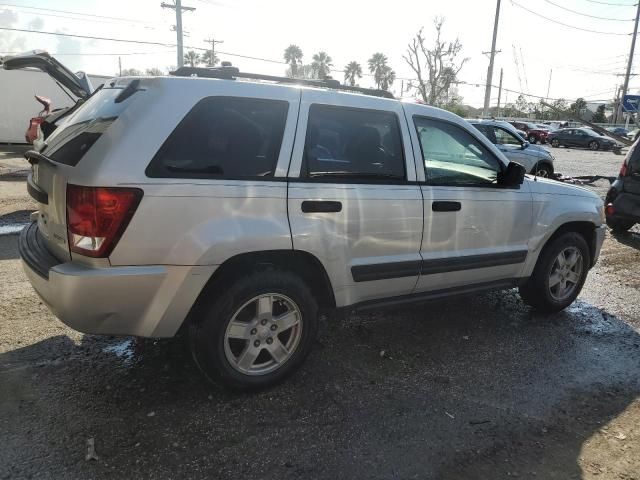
x=64 y=150
x=353 y=200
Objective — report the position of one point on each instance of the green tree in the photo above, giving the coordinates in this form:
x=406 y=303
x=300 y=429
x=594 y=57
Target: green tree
x=293 y=57
x=600 y=116
x=130 y=72
x=522 y=106
x=210 y=58
x=352 y=71
x=578 y=107
x=321 y=65
x=387 y=77
x=378 y=66
x=153 y=72
x=192 y=58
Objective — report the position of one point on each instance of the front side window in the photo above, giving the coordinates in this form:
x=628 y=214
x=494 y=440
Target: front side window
x=503 y=137
x=224 y=137
x=487 y=131
x=353 y=143
x=452 y=156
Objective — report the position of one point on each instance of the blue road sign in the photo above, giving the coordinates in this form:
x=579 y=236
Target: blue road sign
x=631 y=102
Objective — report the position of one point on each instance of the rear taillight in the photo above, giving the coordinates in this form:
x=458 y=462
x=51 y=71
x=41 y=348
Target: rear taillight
x=623 y=169
x=98 y=216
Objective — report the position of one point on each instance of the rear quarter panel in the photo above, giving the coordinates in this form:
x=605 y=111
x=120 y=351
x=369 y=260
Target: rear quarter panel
x=189 y=221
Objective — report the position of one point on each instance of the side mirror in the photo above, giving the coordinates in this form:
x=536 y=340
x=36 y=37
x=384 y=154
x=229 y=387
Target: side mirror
x=525 y=144
x=512 y=176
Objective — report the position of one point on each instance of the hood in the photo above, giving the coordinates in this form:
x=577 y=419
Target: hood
x=554 y=187
x=537 y=151
x=78 y=83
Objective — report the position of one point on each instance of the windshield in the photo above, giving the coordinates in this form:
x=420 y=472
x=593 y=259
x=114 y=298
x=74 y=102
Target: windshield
x=69 y=143
x=531 y=126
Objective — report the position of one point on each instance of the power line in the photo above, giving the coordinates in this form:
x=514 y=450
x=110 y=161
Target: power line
x=120 y=19
x=590 y=16
x=566 y=24
x=90 y=54
x=612 y=4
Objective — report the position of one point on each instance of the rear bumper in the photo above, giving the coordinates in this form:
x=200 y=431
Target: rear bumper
x=626 y=206
x=147 y=301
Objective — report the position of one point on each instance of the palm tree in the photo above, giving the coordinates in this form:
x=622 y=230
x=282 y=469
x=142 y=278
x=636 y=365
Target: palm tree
x=387 y=77
x=377 y=66
x=209 y=58
x=293 y=56
x=192 y=58
x=352 y=71
x=321 y=65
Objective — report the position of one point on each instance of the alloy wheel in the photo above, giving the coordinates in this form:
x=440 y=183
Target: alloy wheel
x=263 y=334
x=566 y=273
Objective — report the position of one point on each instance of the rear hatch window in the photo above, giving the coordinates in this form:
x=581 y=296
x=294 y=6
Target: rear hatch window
x=67 y=145
x=82 y=128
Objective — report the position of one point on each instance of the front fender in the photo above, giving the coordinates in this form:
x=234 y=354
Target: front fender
x=553 y=210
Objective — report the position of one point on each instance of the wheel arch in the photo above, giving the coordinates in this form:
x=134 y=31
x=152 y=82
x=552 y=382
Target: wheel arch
x=540 y=163
x=585 y=228
x=299 y=262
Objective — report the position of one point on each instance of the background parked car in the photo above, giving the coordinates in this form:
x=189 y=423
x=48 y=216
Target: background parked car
x=535 y=158
x=623 y=198
x=581 y=137
x=620 y=131
x=533 y=132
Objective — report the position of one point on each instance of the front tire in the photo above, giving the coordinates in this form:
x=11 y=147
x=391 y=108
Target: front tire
x=593 y=145
x=559 y=275
x=257 y=332
x=555 y=143
x=532 y=139
x=544 y=171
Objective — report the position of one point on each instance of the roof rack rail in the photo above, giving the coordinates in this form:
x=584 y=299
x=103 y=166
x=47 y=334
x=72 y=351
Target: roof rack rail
x=227 y=72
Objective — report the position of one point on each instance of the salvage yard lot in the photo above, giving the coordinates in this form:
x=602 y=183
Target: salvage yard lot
x=475 y=388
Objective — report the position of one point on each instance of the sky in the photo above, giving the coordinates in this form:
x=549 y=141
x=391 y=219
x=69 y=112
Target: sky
x=532 y=48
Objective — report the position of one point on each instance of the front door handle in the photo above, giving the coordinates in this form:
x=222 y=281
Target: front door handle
x=446 y=206
x=316 y=206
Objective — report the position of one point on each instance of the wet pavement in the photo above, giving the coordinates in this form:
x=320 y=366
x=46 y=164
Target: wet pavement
x=480 y=387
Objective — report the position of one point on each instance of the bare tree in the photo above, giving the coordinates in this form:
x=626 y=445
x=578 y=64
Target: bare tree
x=437 y=67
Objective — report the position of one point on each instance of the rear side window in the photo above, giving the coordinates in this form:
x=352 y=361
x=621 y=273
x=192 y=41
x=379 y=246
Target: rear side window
x=224 y=137
x=84 y=126
x=353 y=143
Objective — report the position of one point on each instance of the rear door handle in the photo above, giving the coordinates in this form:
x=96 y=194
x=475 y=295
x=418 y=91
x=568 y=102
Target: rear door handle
x=315 y=206
x=446 y=206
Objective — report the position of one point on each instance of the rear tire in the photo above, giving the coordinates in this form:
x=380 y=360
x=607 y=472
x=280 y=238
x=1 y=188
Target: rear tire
x=544 y=289
x=532 y=139
x=240 y=339
x=619 y=226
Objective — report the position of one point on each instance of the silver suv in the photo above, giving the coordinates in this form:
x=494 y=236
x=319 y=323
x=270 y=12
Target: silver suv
x=535 y=158
x=242 y=205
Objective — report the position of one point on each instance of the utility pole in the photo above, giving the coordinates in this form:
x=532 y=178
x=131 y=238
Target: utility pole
x=630 y=63
x=178 y=8
x=499 y=94
x=119 y=66
x=487 y=91
x=213 y=42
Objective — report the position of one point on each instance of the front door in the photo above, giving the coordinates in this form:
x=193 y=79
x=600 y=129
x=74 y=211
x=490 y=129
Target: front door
x=475 y=231
x=353 y=200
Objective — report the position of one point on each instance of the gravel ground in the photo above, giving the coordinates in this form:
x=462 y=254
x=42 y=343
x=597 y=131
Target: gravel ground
x=426 y=392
